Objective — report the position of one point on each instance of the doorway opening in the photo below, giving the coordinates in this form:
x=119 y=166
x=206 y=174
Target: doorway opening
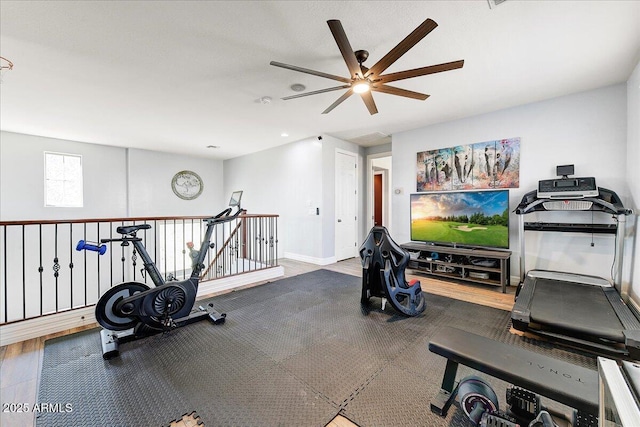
x=379 y=182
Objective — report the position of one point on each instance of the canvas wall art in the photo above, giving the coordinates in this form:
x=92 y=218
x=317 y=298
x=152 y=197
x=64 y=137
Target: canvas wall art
x=482 y=165
x=435 y=170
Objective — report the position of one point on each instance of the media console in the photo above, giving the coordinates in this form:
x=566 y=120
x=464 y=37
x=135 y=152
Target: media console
x=484 y=266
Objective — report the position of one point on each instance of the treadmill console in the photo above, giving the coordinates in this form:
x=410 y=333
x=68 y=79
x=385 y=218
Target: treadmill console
x=567 y=188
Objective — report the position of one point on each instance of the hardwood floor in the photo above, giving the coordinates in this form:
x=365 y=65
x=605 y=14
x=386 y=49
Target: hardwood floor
x=20 y=363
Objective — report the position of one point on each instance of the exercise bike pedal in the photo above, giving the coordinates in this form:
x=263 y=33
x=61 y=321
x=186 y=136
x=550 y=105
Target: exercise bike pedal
x=109 y=344
x=110 y=341
x=214 y=316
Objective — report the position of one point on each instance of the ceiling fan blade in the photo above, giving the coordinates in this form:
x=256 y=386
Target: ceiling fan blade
x=308 y=71
x=345 y=48
x=411 y=40
x=400 y=92
x=338 y=101
x=368 y=101
x=416 y=72
x=315 y=92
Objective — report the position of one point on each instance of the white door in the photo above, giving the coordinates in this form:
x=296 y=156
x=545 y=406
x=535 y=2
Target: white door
x=346 y=205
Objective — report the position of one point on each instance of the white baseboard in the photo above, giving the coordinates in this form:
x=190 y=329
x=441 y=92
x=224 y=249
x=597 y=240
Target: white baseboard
x=309 y=259
x=231 y=282
x=45 y=325
x=514 y=280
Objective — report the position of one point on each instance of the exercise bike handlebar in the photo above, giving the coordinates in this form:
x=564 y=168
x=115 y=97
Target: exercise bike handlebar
x=224 y=216
x=225 y=213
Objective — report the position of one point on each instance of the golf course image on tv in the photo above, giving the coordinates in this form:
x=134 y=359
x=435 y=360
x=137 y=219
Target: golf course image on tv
x=461 y=218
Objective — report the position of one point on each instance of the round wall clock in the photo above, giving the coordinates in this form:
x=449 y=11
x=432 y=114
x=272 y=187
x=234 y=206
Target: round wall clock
x=187 y=185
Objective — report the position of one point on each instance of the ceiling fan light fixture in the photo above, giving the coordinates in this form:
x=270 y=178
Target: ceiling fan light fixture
x=361 y=87
x=365 y=80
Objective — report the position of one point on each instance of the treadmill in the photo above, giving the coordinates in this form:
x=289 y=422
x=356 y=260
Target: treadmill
x=581 y=311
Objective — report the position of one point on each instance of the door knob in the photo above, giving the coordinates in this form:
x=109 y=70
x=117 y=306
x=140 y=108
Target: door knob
x=339 y=220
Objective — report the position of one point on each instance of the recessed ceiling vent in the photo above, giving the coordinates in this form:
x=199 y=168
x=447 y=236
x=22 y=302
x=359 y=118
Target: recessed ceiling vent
x=494 y=3
x=372 y=139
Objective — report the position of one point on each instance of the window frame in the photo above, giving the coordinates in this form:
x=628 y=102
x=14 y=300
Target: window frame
x=45 y=181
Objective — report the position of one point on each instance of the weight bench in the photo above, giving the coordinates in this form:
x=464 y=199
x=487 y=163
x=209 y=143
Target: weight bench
x=572 y=385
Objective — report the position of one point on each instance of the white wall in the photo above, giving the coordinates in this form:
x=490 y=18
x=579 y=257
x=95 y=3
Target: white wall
x=287 y=181
x=293 y=180
x=118 y=182
x=377 y=149
x=633 y=178
x=22 y=179
x=587 y=129
x=150 y=193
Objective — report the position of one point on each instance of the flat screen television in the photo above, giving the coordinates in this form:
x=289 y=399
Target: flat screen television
x=461 y=218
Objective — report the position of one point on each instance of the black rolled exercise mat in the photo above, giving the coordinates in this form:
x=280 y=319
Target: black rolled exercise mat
x=294 y=352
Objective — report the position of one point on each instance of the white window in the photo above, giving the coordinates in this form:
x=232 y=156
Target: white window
x=62 y=180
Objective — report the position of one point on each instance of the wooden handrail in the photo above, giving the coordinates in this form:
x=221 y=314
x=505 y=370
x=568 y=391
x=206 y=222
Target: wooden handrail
x=32 y=289
x=158 y=218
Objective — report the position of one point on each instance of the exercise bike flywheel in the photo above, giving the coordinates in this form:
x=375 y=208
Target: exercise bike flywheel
x=170 y=299
x=106 y=314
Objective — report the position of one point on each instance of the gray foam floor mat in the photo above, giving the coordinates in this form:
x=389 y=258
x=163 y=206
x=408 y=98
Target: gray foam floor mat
x=295 y=352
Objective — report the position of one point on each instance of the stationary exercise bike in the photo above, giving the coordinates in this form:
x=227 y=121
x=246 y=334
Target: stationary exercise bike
x=133 y=310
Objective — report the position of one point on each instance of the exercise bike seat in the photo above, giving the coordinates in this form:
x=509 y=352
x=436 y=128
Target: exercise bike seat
x=132 y=228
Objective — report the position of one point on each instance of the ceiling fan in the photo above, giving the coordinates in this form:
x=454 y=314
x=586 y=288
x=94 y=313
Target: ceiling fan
x=365 y=80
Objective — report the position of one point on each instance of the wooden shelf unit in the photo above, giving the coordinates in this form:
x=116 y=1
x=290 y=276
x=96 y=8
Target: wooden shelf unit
x=456 y=263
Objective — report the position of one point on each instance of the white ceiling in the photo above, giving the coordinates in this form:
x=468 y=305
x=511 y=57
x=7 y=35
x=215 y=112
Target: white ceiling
x=178 y=76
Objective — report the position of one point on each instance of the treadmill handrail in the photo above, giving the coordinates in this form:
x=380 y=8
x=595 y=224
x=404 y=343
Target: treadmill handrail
x=531 y=203
x=606 y=202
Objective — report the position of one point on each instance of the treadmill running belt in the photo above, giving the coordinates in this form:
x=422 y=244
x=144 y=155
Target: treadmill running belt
x=578 y=309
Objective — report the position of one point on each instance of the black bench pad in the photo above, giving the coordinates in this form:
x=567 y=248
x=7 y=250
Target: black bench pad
x=572 y=385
